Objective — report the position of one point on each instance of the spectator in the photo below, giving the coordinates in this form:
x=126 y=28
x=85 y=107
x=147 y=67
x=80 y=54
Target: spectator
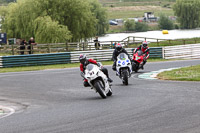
x=22 y=46
x=97 y=44
x=31 y=42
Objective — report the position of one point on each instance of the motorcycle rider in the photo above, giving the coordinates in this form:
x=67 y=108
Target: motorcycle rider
x=145 y=49
x=118 y=50
x=84 y=62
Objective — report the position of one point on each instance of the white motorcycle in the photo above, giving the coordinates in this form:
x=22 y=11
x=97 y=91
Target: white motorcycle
x=123 y=67
x=97 y=80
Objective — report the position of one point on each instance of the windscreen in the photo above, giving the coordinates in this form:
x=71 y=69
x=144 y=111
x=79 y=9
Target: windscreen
x=90 y=67
x=139 y=52
x=122 y=56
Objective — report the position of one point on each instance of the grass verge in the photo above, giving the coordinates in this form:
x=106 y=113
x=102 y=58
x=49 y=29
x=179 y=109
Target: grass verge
x=59 y=66
x=183 y=74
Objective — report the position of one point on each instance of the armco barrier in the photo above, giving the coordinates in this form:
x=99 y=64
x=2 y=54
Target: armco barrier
x=190 y=51
x=63 y=58
x=37 y=59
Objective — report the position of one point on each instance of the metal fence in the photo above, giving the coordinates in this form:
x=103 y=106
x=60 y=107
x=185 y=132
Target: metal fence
x=14 y=49
x=36 y=59
x=190 y=51
x=65 y=57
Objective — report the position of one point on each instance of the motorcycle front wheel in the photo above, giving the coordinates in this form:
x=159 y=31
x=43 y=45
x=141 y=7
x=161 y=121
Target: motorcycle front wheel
x=125 y=76
x=135 y=67
x=98 y=84
x=109 y=93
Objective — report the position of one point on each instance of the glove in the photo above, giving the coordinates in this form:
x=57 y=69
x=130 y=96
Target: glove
x=145 y=58
x=98 y=64
x=82 y=74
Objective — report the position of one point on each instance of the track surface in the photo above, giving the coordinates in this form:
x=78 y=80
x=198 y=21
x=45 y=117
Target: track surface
x=55 y=101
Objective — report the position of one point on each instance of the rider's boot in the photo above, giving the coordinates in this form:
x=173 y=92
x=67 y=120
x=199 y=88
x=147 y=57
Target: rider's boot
x=142 y=67
x=110 y=80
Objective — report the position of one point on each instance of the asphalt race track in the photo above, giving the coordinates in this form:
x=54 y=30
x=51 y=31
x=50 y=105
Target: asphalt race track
x=55 y=101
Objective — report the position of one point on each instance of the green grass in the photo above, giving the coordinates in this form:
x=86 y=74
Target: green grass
x=184 y=74
x=170 y=43
x=175 y=42
x=117 y=3
x=132 y=14
x=136 y=8
x=59 y=66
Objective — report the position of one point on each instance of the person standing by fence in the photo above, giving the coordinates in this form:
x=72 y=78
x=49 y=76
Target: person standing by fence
x=97 y=44
x=31 y=43
x=22 y=46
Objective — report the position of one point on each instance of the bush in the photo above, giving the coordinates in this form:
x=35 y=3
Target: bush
x=141 y=26
x=165 y=23
x=129 y=25
x=176 y=26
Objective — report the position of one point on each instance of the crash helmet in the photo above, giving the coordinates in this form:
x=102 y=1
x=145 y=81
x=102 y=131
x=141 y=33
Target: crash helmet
x=82 y=58
x=144 y=44
x=118 y=47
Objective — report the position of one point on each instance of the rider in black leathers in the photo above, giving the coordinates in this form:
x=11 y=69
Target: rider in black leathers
x=118 y=49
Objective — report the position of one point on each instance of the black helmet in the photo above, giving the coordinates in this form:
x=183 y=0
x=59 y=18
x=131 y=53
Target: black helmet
x=82 y=58
x=144 y=44
x=119 y=47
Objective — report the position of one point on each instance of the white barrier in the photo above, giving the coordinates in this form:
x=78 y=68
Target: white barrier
x=1 y=65
x=99 y=55
x=190 y=51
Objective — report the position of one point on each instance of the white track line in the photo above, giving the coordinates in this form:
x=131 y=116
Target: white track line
x=11 y=111
x=153 y=74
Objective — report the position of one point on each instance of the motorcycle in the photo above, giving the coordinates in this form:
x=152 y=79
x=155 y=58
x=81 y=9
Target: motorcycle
x=123 y=67
x=138 y=58
x=97 y=80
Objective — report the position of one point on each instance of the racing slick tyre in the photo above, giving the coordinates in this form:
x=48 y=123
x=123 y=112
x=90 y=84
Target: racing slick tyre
x=125 y=76
x=98 y=84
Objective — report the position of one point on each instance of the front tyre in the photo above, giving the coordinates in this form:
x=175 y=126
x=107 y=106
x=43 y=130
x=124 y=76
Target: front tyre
x=135 y=67
x=125 y=76
x=109 y=93
x=98 y=84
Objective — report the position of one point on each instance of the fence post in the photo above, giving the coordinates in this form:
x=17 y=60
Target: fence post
x=31 y=48
x=13 y=52
x=128 y=40
x=67 y=47
x=184 y=42
x=49 y=49
x=133 y=39
x=25 y=50
x=157 y=42
x=169 y=41
x=83 y=46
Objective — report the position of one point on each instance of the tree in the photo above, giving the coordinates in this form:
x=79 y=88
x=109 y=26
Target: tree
x=69 y=16
x=6 y=1
x=101 y=16
x=141 y=27
x=129 y=25
x=188 y=13
x=49 y=31
x=165 y=23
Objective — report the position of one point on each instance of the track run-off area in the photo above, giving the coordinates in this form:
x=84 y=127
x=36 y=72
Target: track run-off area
x=55 y=101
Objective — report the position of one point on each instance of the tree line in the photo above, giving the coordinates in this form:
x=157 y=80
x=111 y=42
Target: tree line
x=51 y=21
x=188 y=17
